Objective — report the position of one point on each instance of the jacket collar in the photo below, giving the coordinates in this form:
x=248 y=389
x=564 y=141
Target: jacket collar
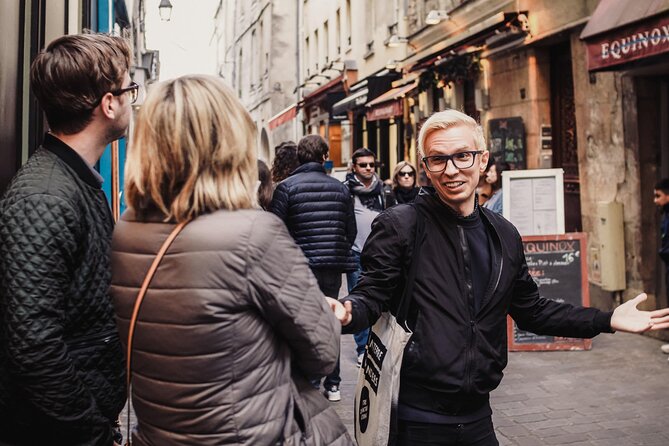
x=309 y=167
x=428 y=195
x=72 y=159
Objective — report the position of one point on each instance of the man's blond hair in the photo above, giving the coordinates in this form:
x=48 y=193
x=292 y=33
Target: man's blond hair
x=192 y=152
x=446 y=119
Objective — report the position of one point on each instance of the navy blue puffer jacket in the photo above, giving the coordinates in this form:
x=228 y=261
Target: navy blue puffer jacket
x=318 y=211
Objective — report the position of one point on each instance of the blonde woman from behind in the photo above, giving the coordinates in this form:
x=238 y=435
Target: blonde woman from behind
x=233 y=307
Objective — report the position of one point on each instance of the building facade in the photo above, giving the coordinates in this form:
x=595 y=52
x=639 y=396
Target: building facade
x=257 y=55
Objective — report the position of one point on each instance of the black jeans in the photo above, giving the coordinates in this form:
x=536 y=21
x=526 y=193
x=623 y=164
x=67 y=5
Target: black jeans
x=477 y=433
x=329 y=282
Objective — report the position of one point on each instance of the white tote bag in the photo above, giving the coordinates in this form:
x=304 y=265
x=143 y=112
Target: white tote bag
x=379 y=378
x=379 y=381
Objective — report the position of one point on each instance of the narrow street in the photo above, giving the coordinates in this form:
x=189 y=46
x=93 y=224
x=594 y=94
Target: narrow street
x=616 y=394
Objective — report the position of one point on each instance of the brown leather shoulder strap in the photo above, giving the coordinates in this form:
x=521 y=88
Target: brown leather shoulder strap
x=138 y=303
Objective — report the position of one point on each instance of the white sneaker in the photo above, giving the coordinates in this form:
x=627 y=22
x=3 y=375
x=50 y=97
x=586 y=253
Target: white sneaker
x=333 y=394
x=361 y=356
x=665 y=348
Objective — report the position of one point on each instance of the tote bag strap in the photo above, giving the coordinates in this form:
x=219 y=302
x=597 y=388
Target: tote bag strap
x=407 y=294
x=135 y=312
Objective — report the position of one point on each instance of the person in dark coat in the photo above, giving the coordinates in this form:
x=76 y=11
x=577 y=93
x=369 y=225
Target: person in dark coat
x=62 y=376
x=661 y=200
x=404 y=184
x=370 y=199
x=471 y=274
x=318 y=211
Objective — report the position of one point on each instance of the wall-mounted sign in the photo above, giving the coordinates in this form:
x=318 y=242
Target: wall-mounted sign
x=622 y=45
x=534 y=200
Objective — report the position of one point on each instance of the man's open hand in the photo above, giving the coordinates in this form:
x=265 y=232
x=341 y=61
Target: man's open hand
x=627 y=317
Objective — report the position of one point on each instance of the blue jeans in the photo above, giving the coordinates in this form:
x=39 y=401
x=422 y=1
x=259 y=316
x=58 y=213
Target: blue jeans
x=352 y=280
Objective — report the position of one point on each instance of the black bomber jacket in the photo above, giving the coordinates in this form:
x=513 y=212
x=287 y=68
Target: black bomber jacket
x=455 y=357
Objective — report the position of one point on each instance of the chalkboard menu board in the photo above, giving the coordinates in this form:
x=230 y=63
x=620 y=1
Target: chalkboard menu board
x=507 y=141
x=558 y=265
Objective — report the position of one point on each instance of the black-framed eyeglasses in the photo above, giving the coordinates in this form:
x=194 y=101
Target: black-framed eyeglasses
x=133 y=89
x=410 y=173
x=365 y=165
x=461 y=160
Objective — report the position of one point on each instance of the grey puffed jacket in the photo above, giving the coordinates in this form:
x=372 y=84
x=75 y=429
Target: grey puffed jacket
x=232 y=323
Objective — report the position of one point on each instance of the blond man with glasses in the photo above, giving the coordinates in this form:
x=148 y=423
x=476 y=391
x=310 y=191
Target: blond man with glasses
x=471 y=274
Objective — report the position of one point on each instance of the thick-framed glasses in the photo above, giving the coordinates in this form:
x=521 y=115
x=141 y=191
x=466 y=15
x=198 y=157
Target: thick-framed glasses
x=410 y=174
x=133 y=89
x=366 y=165
x=461 y=160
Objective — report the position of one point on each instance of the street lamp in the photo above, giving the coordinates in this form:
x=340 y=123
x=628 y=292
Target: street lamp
x=165 y=10
x=435 y=16
x=395 y=41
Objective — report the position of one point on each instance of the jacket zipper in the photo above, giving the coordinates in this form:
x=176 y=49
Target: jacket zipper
x=470 y=309
x=88 y=341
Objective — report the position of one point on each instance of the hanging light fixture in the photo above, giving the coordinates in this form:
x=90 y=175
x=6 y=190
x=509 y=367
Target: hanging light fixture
x=435 y=16
x=165 y=10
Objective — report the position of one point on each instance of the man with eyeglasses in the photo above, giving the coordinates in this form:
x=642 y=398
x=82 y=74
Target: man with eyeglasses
x=62 y=376
x=471 y=273
x=370 y=199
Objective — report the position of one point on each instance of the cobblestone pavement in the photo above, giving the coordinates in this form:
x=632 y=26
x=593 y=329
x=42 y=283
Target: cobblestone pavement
x=616 y=394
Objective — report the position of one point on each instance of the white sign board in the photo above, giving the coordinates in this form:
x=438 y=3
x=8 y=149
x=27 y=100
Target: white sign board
x=534 y=200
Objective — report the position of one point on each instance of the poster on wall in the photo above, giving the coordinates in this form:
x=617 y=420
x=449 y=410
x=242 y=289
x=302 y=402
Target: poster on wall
x=506 y=138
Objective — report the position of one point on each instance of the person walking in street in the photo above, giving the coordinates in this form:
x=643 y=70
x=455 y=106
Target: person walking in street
x=404 y=184
x=661 y=200
x=471 y=273
x=233 y=318
x=62 y=378
x=318 y=212
x=369 y=201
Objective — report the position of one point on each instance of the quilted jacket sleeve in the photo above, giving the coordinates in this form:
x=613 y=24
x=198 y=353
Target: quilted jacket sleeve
x=279 y=203
x=38 y=241
x=287 y=295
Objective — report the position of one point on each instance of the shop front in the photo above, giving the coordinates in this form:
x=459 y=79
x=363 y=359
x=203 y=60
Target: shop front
x=630 y=41
x=318 y=116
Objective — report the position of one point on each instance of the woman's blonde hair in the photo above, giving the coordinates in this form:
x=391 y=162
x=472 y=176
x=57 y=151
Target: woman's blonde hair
x=192 y=152
x=446 y=119
x=397 y=171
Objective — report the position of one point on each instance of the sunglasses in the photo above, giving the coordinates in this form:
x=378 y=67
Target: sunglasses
x=411 y=173
x=365 y=165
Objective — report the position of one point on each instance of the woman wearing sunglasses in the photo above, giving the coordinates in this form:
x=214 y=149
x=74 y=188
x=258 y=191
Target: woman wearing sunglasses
x=404 y=183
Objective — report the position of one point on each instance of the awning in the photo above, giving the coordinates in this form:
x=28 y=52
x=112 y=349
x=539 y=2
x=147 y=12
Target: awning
x=461 y=36
x=320 y=94
x=622 y=31
x=357 y=99
x=389 y=104
x=386 y=110
x=283 y=116
x=393 y=94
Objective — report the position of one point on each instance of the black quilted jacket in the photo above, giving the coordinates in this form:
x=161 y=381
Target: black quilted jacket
x=318 y=211
x=62 y=378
